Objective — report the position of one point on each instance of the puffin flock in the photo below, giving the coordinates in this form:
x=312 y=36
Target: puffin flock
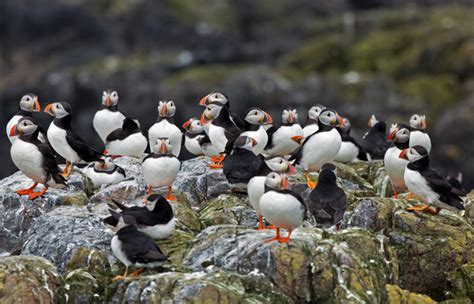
x=255 y=154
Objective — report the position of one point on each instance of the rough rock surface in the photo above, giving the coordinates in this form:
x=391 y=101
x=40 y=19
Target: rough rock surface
x=383 y=254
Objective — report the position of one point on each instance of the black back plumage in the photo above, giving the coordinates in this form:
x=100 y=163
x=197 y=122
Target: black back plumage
x=375 y=142
x=129 y=127
x=241 y=165
x=138 y=247
x=223 y=120
x=327 y=202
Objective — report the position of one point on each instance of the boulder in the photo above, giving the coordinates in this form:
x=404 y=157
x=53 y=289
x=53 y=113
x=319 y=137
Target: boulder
x=229 y=209
x=396 y=295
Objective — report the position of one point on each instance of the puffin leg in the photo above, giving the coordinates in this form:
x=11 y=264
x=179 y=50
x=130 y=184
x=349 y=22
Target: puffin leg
x=432 y=211
x=215 y=159
x=28 y=190
x=411 y=196
x=216 y=166
x=276 y=238
x=418 y=208
x=34 y=195
x=121 y=277
x=395 y=194
x=136 y=273
x=260 y=223
x=338 y=226
x=170 y=195
x=286 y=239
x=66 y=168
x=311 y=184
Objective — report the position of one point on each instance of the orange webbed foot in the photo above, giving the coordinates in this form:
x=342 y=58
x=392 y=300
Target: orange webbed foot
x=216 y=166
x=24 y=191
x=170 y=197
x=136 y=273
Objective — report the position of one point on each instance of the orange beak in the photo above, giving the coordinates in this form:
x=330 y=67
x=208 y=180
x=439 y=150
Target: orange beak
x=341 y=121
x=368 y=123
x=403 y=154
x=423 y=123
x=108 y=101
x=298 y=139
x=164 y=110
x=186 y=124
x=292 y=169
x=203 y=101
x=48 y=109
x=203 y=119
x=286 y=184
x=13 y=131
x=290 y=118
x=268 y=119
x=254 y=142
x=163 y=148
x=391 y=136
x=37 y=105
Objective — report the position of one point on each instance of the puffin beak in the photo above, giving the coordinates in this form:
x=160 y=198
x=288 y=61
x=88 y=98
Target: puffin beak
x=163 y=147
x=164 y=110
x=292 y=169
x=290 y=118
x=49 y=109
x=37 y=106
x=108 y=101
x=340 y=121
x=403 y=154
x=254 y=142
x=423 y=122
x=203 y=101
x=267 y=119
x=186 y=124
x=298 y=139
x=286 y=184
x=391 y=136
x=102 y=165
x=13 y=131
x=204 y=118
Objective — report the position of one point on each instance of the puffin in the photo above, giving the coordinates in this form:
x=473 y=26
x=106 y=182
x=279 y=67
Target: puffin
x=156 y=219
x=287 y=138
x=394 y=165
x=327 y=202
x=165 y=127
x=222 y=100
x=241 y=164
x=104 y=172
x=374 y=141
x=427 y=184
x=128 y=140
x=418 y=135
x=256 y=185
x=311 y=125
x=28 y=104
x=65 y=141
x=320 y=147
x=283 y=208
x=193 y=132
x=255 y=122
x=109 y=118
x=160 y=168
x=133 y=247
x=220 y=128
x=34 y=159
x=350 y=150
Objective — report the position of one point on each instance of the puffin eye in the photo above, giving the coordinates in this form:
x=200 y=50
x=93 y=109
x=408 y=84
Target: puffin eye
x=27 y=98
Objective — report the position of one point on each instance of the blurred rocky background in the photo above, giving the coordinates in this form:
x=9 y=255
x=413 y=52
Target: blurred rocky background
x=391 y=58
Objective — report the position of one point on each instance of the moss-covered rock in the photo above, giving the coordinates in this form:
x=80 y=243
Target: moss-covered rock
x=228 y=209
x=461 y=282
x=396 y=295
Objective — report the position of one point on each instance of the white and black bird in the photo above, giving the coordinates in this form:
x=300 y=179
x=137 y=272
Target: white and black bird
x=109 y=118
x=311 y=125
x=255 y=122
x=156 y=219
x=134 y=248
x=321 y=147
x=374 y=142
x=283 y=208
x=327 y=202
x=256 y=185
x=161 y=167
x=286 y=138
x=65 y=141
x=241 y=164
x=394 y=165
x=34 y=158
x=222 y=100
x=165 y=127
x=418 y=135
x=128 y=140
x=350 y=150
x=427 y=184
x=193 y=133
x=28 y=104
x=104 y=172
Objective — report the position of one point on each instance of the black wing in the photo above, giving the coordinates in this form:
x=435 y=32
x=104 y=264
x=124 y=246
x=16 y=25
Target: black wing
x=327 y=204
x=117 y=134
x=50 y=164
x=239 y=122
x=241 y=167
x=121 y=171
x=270 y=132
x=140 y=248
x=84 y=151
x=441 y=186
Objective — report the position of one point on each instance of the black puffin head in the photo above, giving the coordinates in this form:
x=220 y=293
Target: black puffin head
x=245 y=142
x=329 y=117
x=256 y=116
x=156 y=201
x=314 y=111
x=345 y=127
x=276 y=181
x=417 y=122
x=328 y=173
x=289 y=117
x=193 y=126
x=25 y=126
x=216 y=98
x=29 y=103
x=110 y=98
x=123 y=220
x=59 y=109
x=414 y=154
x=105 y=164
x=166 y=108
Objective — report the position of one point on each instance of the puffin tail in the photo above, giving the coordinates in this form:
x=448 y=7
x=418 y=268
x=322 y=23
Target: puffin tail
x=119 y=205
x=110 y=221
x=454 y=200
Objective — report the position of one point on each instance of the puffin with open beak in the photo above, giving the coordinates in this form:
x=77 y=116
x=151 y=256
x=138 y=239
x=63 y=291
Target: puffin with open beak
x=161 y=167
x=223 y=100
x=28 y=104
x=321 y=147
x=394 y=165
x=34 y=159
x=109 y=118
x=427 y=184
x=418 y=135
x=65 y=141
x=104 y=172
x=287 y=138
x=165 y=127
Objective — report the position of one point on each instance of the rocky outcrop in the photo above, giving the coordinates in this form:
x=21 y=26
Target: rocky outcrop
x=383 y=254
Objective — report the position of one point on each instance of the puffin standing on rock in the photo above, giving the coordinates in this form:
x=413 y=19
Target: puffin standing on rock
x=374 y=142
x=428 y=184
x=321 y=147
x=64 y=140
x=161 y=167
x=418 y=135
x=283 y=208
x=394 y=165
x=312 y=126
x=133 y=247
x=285 y=139
x=165 y=127
x=194 y=131
x=109 y=118
x=28 y=104
x=128 y=140
x=34 y=158
x=104 y=172
x=156 y=219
